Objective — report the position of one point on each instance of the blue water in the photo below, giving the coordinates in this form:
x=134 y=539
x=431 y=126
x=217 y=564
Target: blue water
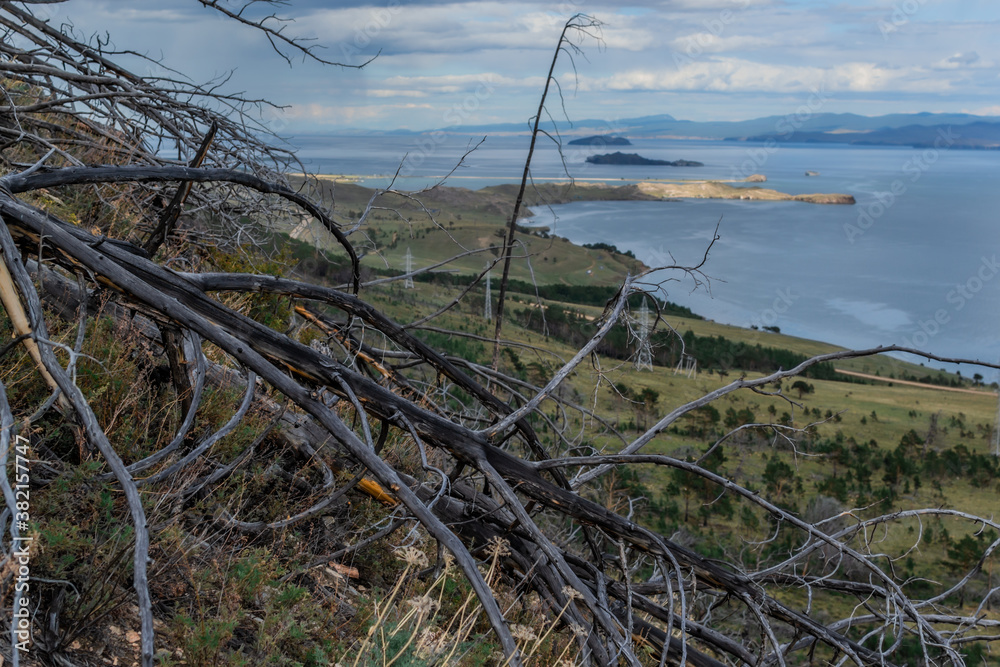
x=914 y=262
x=425 y=159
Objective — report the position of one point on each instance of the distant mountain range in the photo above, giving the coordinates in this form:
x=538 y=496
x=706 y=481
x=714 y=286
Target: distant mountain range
x=983 y=135
x=601 y=140
x=919 y=129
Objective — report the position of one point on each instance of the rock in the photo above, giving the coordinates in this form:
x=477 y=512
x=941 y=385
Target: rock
x=756 y=178
x=344 y=570
x=826 y=199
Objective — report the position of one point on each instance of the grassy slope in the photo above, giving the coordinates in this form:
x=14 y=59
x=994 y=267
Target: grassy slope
x=478 y=215
x=891 y=402
x=220 y=592
x=892 y=405
x=898 y=408
x=746 y=461
x=470 y=220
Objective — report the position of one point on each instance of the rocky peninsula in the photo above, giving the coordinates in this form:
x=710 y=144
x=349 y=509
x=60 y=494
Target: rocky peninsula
x=720 y=190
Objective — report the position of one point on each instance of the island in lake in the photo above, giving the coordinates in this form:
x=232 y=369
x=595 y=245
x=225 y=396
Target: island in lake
x=636 y=159
x=601 y=140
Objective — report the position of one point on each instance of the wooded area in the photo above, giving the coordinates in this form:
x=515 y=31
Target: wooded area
x=118 y=189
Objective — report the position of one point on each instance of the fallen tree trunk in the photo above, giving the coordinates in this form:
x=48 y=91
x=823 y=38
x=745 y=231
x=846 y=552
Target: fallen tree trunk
x=479 y=517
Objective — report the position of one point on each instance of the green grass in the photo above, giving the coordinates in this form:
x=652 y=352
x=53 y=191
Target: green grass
x=962 y=418
x=454 y=220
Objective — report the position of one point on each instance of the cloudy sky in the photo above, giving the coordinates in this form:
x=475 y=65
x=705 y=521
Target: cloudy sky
x=444 y=63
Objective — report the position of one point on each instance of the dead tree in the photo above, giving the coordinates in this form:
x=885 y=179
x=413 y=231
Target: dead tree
x=65 y=129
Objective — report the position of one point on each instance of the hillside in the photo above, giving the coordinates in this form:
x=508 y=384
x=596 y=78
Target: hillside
x=600 y=140
x=235 y=433
x=449 y=222
x=874 y=447
x=980 y=135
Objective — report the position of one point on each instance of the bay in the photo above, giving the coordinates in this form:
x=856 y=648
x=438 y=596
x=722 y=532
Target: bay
x=914 y=262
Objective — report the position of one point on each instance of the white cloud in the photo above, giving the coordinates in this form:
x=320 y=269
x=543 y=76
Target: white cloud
x=345 y=115
x=738 y=75
x=718 y=5
x=984 y=111
x=447 y=28
x=457 y=83
x=706 y=42
x=383 y=92
x=761 y=52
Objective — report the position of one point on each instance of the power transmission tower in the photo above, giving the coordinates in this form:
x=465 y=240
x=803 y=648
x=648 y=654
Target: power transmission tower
x=686 y=365
x=644 y=357
x=488 y=305
x=996 y=431
x=408 y=283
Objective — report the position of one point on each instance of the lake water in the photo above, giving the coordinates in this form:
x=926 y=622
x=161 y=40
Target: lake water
x=914 y=262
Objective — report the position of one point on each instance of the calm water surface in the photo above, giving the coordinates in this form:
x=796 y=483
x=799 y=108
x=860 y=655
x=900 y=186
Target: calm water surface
x=914 y=262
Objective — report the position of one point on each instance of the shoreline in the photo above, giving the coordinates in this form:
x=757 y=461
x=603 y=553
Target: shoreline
x=662 y=189
x=721 y=190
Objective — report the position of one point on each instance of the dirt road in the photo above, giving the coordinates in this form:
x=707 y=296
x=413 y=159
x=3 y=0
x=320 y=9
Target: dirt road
x=913 y=384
